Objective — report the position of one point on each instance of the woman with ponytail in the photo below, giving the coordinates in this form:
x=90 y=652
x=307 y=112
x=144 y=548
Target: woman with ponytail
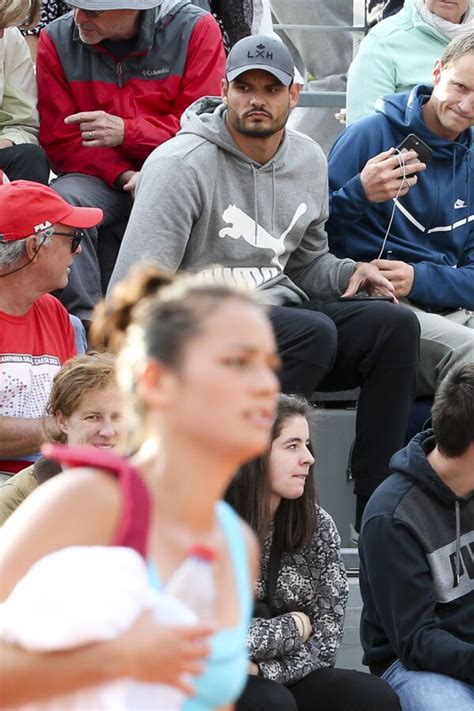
x=196 y=367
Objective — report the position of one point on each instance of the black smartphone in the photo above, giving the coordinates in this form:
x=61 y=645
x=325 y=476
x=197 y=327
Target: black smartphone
x=365 y=297
x=413 y=143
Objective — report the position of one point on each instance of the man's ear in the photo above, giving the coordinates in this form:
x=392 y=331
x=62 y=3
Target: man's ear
x=436 y=73
x=32 y=246
x=224 y=90
x=295 y=89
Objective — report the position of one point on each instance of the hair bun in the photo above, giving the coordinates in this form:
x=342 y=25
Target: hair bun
x=113 y=315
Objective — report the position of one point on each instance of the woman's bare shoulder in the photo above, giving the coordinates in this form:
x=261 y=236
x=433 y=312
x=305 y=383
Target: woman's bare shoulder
x=76 y=507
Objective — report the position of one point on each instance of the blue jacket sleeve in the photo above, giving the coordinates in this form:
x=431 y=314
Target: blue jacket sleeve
x=442 y=285
x=348 y=156
x=401 y=588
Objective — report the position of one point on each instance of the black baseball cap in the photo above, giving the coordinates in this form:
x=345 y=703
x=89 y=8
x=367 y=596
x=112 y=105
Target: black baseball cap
x=261 y=52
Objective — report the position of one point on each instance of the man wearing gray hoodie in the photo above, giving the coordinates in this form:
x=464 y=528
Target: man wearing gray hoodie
x=237 y=196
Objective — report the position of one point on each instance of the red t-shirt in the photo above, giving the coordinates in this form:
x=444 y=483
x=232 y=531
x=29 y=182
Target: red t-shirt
x=33 y=347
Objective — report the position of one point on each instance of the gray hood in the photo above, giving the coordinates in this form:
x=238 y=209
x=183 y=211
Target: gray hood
x=206 y=117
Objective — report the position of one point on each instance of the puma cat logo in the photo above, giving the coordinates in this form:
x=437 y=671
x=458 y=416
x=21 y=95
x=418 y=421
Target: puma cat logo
x=243 y=226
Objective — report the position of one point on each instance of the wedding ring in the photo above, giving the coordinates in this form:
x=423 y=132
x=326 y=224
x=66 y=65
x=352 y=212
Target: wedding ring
x=91 y=135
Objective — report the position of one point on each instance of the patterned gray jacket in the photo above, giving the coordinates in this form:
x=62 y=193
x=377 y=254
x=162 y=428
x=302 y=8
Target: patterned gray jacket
x=312 y=580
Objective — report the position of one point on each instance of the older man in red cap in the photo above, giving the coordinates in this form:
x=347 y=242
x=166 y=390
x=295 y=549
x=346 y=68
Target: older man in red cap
x=40 y=233
x=114 y=77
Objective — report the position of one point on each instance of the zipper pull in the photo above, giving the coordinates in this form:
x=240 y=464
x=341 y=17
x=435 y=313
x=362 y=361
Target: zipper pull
x=120 y=74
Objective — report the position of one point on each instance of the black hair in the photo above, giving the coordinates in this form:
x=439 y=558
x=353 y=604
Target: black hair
x=452 y=416
x=249 y=491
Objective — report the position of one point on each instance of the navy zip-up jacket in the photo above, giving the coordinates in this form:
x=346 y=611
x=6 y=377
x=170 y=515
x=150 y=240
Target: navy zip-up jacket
x=433 y=224
x=417 y=570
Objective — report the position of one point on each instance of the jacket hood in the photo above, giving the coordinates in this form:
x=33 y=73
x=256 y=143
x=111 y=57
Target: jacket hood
x=405 y=113
x=412 y=462
x=206 y=118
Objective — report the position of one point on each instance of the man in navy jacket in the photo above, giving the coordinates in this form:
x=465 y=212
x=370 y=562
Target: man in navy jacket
x=416 y=221
x=417 y=560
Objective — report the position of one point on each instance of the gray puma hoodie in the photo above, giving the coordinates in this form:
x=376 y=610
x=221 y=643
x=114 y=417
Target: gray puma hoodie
x=204 y=206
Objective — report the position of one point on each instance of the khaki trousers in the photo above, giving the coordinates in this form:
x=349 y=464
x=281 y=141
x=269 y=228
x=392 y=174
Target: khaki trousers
x=445 y=341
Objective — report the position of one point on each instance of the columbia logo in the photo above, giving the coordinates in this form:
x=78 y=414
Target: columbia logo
x=459 y=203
x=155 y=72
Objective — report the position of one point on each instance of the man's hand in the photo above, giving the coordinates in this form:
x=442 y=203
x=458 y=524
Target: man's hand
x=127 y=181
x=6 y=143
x=131 y=184
x=382 y=176
x=98 y=128
x=400 y=274
x=368 y=277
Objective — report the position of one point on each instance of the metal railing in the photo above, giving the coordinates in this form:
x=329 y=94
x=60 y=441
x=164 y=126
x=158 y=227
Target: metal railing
x=331 y=99
x=327 y=99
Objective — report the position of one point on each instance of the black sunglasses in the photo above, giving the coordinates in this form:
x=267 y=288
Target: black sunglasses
x=75 y=238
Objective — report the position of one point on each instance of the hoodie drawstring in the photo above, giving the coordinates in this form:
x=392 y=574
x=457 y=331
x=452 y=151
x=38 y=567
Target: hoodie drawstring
x=255 y=199
x=273 y=199
x=458 y=545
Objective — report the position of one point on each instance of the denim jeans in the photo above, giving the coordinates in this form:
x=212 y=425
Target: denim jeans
x=427 y=691
x=100 y=246
x=80 y=338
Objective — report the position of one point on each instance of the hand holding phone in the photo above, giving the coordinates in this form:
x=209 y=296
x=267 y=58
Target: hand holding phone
x=385 y=176
x=413 y=143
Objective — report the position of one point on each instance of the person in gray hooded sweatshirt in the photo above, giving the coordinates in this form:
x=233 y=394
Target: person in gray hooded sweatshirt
x=238 y=196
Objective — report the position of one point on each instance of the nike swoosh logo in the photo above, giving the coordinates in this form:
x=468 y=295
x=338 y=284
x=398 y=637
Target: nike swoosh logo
x=458 y=204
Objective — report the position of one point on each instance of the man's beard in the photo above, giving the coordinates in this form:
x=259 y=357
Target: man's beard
x=256 y=130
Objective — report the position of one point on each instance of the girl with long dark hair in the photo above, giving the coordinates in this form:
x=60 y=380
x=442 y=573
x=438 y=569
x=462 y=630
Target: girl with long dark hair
x=302 y=589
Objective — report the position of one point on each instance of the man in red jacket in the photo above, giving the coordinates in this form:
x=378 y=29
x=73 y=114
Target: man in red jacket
x=114 y=77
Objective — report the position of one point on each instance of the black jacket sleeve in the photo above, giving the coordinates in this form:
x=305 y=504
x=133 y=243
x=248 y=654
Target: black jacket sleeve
x=397 y=581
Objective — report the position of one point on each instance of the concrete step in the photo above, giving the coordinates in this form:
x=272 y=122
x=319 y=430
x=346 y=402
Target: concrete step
x=350 y=651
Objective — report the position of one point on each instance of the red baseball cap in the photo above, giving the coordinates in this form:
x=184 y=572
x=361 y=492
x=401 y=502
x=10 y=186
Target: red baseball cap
x=27 y=208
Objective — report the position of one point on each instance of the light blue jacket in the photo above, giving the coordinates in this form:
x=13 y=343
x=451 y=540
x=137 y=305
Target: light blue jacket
x=396 y=54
